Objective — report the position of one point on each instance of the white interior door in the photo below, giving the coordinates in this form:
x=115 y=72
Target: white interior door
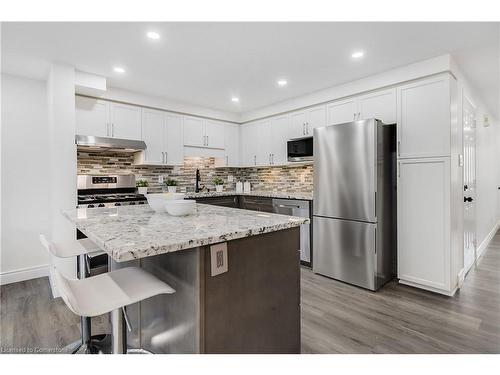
x=469 y=142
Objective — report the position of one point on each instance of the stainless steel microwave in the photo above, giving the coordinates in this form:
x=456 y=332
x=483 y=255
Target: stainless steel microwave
x=300 y=149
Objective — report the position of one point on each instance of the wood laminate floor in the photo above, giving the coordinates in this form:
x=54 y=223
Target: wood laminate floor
x=336 y=317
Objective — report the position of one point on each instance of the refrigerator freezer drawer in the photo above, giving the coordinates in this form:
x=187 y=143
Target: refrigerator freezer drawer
x=345 y=250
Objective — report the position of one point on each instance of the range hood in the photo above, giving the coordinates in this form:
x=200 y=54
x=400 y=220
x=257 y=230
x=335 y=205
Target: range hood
x=106 y=144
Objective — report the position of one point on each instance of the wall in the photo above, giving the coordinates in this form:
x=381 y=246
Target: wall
x=25 y=183
x=293 y=178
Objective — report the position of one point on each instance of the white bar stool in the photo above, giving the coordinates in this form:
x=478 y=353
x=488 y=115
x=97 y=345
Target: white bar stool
x=80 y=249
x=109 y=292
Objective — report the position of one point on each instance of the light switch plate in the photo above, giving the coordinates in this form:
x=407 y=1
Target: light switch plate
x=160 y=179
x=230 y=178
x=218 y=258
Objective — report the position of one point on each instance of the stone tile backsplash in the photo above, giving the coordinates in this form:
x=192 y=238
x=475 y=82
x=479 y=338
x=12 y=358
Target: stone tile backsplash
x=287 y=179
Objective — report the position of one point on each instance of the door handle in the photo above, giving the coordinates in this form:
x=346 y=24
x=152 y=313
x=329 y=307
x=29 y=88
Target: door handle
x=468 y=199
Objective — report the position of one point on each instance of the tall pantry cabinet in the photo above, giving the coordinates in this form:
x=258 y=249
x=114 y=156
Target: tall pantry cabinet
x=429 y=241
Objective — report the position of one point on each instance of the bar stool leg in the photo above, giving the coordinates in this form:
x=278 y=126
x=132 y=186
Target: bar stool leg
x=119 y=334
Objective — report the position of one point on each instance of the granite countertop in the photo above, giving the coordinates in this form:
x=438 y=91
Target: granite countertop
x=257 y=193
x=133 y=232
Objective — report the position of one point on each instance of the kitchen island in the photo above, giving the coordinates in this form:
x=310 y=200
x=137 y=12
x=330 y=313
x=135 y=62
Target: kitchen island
x=252 y=307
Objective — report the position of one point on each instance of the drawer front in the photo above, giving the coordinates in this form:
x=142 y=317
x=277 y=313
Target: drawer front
x=257 y=204
x=229 y=201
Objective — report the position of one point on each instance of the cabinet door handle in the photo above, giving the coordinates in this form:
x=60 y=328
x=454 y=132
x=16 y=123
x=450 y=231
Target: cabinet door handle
x=112 y=129
x=227 y=160
x=399 y=148
x=255 y=159
x=207 y=140
x=166 y=157
x=162 y=157
x=272 y=158
x=304 y=128
x=354 y=116
x=359 y=115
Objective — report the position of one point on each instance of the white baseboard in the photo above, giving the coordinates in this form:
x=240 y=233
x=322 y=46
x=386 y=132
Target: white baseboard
x=23 y=274
x=487 y=240
x=479 y=252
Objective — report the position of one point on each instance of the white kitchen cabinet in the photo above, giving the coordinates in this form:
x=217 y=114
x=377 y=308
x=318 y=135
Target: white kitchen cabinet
x=125 y=121
x=342 y=111
x=194 y=132
x=424 y=223
x=424 y=122
x=174 y=150
x=153 y=134
x=214 y=133
x=203 y=133
x=381 y=105
x=279 y=127
x=162 y=133
x=231 y=145
x=91 y=116
x=303 y=122
x=255 y=143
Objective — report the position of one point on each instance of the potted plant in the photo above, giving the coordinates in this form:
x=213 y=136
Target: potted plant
x=142 y=186
x=171 y=185
x=219 y=184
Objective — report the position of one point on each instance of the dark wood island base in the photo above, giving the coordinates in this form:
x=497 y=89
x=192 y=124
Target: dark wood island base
x=254 y=307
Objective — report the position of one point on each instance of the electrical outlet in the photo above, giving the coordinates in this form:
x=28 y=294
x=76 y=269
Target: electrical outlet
x=160 y=179
x=218 y=258
x=230 y=178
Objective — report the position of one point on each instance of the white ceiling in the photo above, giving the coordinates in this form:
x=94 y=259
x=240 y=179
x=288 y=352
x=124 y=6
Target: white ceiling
x=207 y=63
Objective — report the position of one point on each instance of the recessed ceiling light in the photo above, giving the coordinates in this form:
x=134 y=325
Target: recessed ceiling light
x=235 y=99
x=282 y=82
x=119 y=69
x=153 y=35
x=357 y=54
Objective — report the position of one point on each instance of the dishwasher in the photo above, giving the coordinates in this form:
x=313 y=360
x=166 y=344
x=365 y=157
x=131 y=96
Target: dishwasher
x=300 y=208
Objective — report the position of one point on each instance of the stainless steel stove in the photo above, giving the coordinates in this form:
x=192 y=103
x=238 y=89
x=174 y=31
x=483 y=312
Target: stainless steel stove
x=108 y=191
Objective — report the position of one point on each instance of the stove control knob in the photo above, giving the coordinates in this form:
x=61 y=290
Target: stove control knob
x=118 y=204
x=90 y=206
x=101 y=205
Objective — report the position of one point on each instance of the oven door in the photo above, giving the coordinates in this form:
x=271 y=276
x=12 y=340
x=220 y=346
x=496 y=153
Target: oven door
x=300 y=149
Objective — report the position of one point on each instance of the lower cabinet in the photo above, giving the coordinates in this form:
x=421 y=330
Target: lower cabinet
x=256 y=203
x=226 y=201
x=263 y=204
x=424 y=218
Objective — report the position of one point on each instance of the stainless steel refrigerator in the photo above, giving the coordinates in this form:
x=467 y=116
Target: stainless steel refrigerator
x=354 y=208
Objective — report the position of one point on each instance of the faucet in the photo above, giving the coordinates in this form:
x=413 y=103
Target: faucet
x=197 y=187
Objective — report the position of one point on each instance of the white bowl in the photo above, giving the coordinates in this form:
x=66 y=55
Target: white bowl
x=180 y=207
x=157 y=200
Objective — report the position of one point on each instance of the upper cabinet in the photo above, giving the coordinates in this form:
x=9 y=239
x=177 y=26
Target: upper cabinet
x=279 y=129
x=342 y=111
x=203 y=133
x=91 y=117
x=303 y=122
x=255 y=143
x=174 y=144
x=194 y=132
x=162 y=133
x=231 y=145
x=107 y=119
x=424 y=119
x=125 y=121
x=379 y=104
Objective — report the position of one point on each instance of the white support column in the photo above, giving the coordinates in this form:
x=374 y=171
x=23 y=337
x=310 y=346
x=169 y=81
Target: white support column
x=62 y=166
